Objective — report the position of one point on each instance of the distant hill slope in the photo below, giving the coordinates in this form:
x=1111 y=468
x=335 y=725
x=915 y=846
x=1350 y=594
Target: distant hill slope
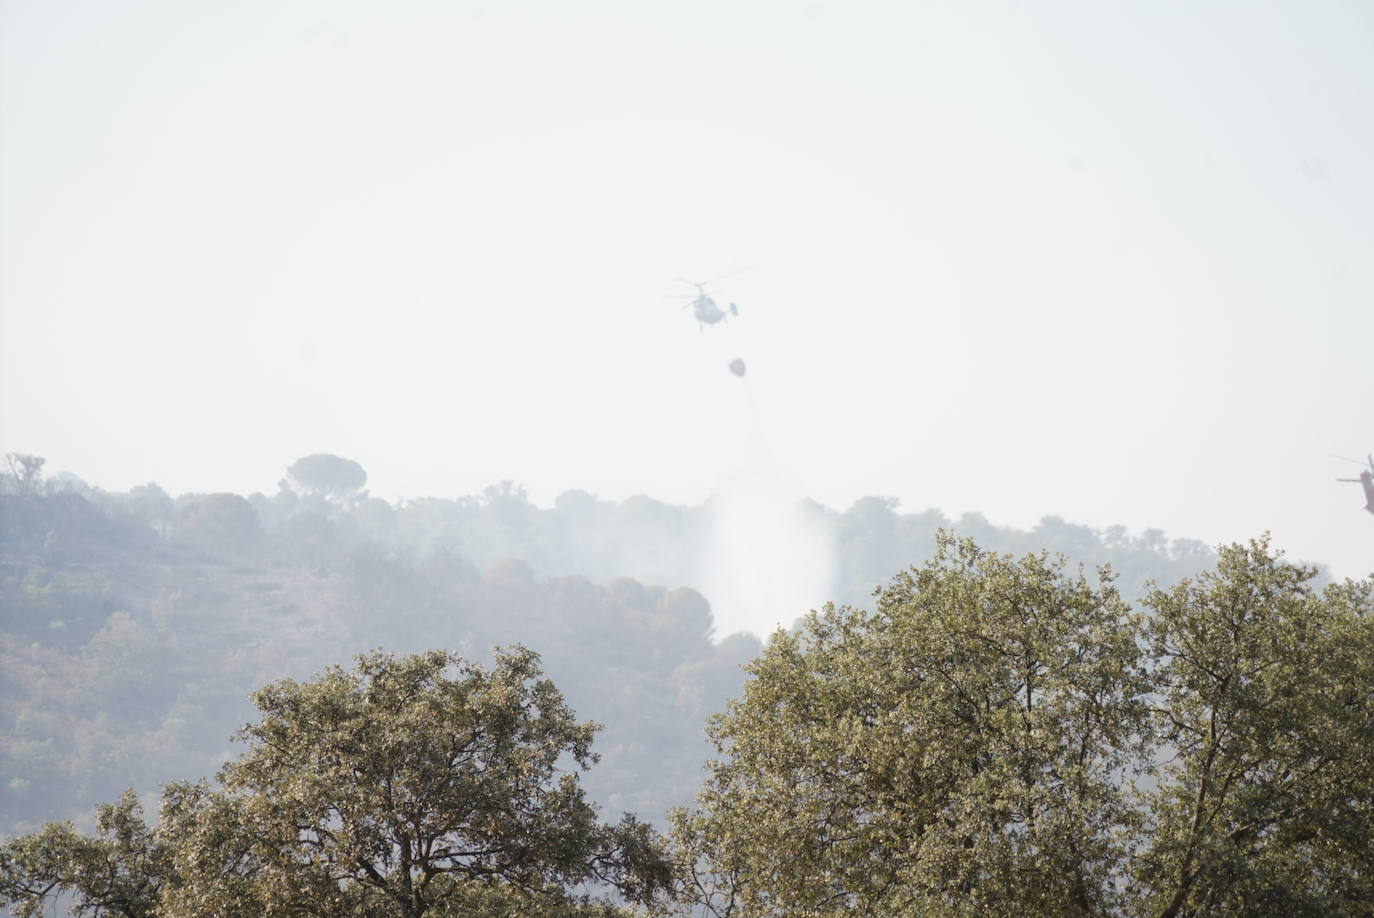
x=133 y=626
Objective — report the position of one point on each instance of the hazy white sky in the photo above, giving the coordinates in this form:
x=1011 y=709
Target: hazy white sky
x=1106 y=261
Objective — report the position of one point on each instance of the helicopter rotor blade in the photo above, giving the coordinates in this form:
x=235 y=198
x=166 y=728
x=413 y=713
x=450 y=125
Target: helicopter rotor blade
x=717 y=279
x=1348 y=459
x=730 y=274
x=1356 y=480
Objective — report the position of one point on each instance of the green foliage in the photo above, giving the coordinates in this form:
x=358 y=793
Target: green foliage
x=118 y=872
x=1266 y=696
x=407 y=786
x=970 y=748
x=951 y=753
x=128 y=644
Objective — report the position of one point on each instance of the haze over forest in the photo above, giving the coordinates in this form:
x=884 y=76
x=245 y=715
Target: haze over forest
x=135 y=624
x=1106 y=263
x=631 y=333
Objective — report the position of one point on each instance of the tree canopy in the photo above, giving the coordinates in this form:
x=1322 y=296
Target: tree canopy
x=1002 y=738
x=407 y=786
x=116 y=612
x=117 y=872
x=27 y=471
x=326 y=475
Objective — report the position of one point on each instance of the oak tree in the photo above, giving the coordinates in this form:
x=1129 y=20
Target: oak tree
x=119 y=871
x=406 y=786
x=422 y=785
x=1000 y=737
x=1265 y=715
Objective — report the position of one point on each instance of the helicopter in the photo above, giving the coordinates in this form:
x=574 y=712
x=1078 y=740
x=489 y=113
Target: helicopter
x=1366 y=479
x=704 y=308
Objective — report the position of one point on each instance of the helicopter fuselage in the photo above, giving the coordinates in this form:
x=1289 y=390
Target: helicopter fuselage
x=706 y=311
x=704 y=308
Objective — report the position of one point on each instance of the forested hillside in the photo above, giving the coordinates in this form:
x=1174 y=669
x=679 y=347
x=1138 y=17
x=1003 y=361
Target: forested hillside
x=134 y=625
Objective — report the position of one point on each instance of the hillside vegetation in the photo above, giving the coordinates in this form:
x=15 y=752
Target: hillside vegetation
x=133 y=626
x=998 y=736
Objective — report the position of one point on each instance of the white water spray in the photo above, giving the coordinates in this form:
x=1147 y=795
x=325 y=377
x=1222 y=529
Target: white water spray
x=771 y=559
